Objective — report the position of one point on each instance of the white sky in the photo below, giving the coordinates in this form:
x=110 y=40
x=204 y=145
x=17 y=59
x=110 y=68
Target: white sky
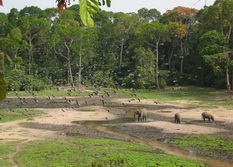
x=116 y=6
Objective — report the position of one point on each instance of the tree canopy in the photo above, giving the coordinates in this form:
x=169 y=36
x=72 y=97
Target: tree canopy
x=139 y=50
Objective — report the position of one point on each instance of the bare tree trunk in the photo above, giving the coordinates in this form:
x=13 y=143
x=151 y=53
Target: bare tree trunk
x=156 y=60
x=30 y=57
x=231 y=79
x=185 y=52
x=121 y=51
x=80 y=68
x=228 y=80
x=182 y=57
x=70 y=75
x=181 y=64
x=68 y=59
x=170 y=58
x=157 y=64
x=15 y=66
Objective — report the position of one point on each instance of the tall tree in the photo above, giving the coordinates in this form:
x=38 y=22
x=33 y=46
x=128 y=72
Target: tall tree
x=32 y=27
x=181 y=20
x=123 y=25
x=154 y=34
x=149 y=15
x=12 y=44
x=216 y=54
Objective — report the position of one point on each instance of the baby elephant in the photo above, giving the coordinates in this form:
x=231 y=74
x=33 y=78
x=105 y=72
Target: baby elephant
x=177 y=118
x=206 y=115
x=142 y=115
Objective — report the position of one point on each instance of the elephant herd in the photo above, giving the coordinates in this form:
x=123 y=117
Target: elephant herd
x=142 y=116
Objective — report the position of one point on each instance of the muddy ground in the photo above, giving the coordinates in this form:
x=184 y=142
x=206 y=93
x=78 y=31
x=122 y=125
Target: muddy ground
x=97 y=116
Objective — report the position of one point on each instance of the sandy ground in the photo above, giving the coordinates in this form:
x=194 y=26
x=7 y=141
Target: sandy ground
x=65 y=116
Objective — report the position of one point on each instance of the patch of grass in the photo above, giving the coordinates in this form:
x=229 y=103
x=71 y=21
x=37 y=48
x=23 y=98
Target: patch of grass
x=205 y=96
x=185 y=93
x=206 y=145
x=17 y=114
x=5 y=150
x=96 y=152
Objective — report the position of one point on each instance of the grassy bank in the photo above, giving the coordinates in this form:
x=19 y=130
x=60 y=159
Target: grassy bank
x=96 y=152
x=7 y=115
x=213 y=146
x=5 y=151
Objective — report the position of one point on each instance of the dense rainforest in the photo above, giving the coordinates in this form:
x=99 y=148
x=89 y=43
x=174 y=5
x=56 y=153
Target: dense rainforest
x=147 y=49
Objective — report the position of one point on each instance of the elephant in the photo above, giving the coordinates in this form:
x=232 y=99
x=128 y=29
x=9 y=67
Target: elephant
x=142 y=115
x=177 y=118
x=206 y=115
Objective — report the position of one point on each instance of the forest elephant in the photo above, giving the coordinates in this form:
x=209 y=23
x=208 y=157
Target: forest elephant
x=206 y=115
x=177 y=118
x=141 y=115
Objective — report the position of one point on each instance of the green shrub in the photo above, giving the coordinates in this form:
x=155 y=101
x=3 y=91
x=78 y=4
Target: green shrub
x=17 y=80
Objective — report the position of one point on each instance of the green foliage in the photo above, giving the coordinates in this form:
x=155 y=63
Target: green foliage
x=95 y=152
x=216 y=61
x=2 y=87
x=212 y=42
x=146 y=43
x=18 y=80
x=102 y=79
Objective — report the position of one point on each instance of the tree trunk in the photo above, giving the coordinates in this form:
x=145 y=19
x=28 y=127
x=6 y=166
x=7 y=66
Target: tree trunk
x=80 y=65
x=69 y=68
x=182 y=56
x=181 y=64
x=30 y=57
x=121 y=51
x=70 y=75
x=157 y=64
x=228 y=81
x=170 y=59
x=80 y=70
x=231 y=79
x=15 y=65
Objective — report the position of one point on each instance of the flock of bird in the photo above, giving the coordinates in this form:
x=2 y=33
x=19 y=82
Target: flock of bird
x=72 y=100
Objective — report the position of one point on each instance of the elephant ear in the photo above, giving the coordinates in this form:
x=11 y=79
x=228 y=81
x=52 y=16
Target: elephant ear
x=2 y=87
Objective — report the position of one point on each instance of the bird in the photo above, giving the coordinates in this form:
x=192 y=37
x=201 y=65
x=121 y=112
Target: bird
x=103 y=102
x=36 y=100
x=77 y=102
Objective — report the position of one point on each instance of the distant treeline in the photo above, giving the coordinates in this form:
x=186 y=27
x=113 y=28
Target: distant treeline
x=147 y=49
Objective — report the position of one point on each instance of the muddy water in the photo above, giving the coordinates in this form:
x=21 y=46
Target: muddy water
x=211 y=162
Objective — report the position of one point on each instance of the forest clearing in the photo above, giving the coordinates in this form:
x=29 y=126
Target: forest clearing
x=73 y=118
x=84 y=87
